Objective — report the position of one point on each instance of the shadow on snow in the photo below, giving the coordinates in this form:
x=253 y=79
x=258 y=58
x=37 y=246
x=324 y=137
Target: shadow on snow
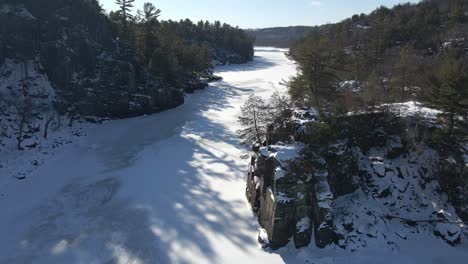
x=99 y=221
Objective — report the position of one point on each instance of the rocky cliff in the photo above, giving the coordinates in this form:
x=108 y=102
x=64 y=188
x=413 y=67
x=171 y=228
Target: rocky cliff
x=385 y=178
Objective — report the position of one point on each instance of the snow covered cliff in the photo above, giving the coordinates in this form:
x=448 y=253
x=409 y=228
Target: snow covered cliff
x=385 y=179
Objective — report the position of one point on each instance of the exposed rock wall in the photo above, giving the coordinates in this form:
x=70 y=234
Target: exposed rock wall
x=285 y=198
x=387 y=178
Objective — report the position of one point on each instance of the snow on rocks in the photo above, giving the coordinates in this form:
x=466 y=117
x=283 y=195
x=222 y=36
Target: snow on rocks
x=265 y=152
x=412 y=109
x=26 y=91
x=303 y=117
x=449 y=232
x=407 y=109
x=279 y=173
x=349 y=86
x=283 y=198
x=394 y=192
x=283 y=154
x=306 y=115
x=263 y=238
x=304 y=224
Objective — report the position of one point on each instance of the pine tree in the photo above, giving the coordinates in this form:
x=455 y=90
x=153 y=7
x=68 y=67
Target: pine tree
x=450 y=90
x=149 y=14
x=255 y=118
x=125 y=10
x=372 y=90
x=317 y=73
x=147 y=40
x=404 y=69
x=280 y=108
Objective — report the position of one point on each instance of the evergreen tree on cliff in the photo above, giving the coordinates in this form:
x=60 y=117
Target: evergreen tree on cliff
x=449 y=89
x=147 y=39
x=316 y=72
x=125 y=8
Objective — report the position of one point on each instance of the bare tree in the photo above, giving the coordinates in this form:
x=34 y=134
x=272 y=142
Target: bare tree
x=254 y=118
x=50 y=116
x=24 y=109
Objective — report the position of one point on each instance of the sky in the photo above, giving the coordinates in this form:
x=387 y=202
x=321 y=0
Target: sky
x=262 y=13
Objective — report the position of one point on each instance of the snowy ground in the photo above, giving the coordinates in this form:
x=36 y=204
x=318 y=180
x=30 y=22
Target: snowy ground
x=166 y=188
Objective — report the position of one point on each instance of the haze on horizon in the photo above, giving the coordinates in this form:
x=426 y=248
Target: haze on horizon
x=262 y=13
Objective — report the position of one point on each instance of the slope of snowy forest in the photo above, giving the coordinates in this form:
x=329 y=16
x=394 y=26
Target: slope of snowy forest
x=170 y=191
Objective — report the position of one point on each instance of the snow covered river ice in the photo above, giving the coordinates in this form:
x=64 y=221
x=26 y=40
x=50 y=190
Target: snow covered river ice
x=165 y=188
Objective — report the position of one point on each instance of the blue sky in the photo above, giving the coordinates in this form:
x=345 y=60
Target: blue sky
x=262 y=13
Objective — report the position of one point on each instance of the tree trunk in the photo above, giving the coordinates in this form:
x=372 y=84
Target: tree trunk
x=19 y=138
x=46 y=127
x=452 y=122
x=257 y=131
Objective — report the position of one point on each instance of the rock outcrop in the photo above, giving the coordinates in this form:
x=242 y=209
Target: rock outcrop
x=280 y=198
x=386 y=178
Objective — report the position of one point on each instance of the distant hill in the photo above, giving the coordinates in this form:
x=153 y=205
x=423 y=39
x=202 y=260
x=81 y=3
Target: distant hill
x=282 y=37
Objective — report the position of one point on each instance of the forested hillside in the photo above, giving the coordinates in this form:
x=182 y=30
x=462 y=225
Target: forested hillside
x=282 y=37
x=68 y=59
x=393 y=54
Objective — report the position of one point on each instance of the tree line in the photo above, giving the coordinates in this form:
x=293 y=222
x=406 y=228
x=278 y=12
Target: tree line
x=408 y=52
x=180 y=52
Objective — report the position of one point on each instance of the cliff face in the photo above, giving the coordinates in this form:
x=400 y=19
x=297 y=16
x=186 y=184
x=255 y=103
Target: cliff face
x=385 y=179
